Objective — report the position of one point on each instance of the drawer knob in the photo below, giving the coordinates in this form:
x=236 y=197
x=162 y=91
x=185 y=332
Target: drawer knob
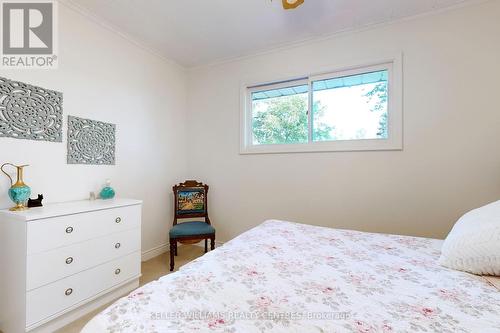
x=118 y=219
x=69 y=230
x=117 y=245
x=117 y=271
x=69 y=260
x=68 y=291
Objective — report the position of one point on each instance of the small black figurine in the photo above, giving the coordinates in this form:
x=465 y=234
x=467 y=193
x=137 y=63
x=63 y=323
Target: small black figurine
x=35 y=202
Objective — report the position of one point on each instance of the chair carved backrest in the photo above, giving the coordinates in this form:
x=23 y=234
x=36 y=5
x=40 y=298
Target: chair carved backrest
x=190 y=200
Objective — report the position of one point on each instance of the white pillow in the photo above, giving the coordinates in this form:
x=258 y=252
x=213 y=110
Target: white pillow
x=473 y=245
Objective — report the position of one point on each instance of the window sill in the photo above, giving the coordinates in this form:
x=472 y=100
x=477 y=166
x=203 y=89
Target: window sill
x=324 y=147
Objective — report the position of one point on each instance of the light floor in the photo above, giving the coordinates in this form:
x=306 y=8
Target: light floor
x=151 y=270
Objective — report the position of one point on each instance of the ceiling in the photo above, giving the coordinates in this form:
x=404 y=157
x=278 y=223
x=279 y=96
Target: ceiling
x=198 y=32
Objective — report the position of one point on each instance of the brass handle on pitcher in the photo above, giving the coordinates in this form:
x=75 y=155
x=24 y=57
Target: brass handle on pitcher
x=15 y=166
x=1 y=168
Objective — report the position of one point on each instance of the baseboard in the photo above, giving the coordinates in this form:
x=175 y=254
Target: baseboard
x=156 y=251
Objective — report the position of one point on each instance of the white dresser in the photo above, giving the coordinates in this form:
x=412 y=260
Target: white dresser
x=63 y=260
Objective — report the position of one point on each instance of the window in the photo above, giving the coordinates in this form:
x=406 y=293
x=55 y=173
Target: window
x=356 y=109
x=279 y=115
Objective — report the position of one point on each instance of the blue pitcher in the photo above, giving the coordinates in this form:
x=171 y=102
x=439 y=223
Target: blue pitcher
x=18 y=192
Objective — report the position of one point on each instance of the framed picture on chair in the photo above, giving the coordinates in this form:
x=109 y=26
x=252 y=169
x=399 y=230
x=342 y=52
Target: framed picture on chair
x=191 y=201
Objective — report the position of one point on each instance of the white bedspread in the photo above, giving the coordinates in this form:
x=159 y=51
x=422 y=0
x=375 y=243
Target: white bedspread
x=288 y=277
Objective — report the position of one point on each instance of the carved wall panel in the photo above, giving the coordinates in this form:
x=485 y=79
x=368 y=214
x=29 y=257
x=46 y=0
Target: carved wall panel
x=30 y=112
x=90 y=141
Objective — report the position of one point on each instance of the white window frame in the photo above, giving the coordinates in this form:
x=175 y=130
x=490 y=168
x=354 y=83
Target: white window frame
x=395 y=114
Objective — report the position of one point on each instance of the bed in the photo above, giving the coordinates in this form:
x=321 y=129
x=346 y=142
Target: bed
x=289 y=277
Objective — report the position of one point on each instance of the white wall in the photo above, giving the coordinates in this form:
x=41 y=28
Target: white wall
x=450 y=162
x=105 y=77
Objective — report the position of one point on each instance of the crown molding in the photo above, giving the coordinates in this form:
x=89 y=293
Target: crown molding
x=340 y=33
x=114 y=29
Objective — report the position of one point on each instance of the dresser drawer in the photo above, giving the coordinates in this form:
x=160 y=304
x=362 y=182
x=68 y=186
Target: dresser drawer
x=52 y=233
x=46 y=267
x=51 y=299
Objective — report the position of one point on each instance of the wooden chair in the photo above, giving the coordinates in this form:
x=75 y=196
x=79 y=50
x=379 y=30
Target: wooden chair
x=190 y=202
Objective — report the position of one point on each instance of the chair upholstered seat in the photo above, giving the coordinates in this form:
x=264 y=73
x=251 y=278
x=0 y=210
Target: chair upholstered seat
x=191 y=229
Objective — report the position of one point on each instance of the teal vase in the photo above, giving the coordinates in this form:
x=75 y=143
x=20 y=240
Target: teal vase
x=19 y=192
x=107 y=192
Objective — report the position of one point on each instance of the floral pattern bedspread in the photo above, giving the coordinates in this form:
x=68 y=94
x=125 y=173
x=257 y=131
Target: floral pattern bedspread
x=288 y=277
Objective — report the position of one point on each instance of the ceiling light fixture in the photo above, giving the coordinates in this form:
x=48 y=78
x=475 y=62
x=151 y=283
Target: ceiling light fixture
x=291 y=4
